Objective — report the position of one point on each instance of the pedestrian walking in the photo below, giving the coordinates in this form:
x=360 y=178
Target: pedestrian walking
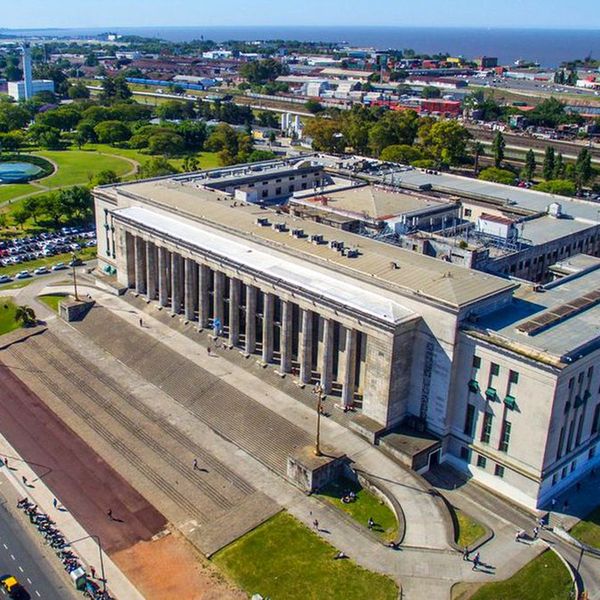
x=141 y=322
x=109 y=514
x=316 y=525
x=6 y=462
x=370 y=523
x=476 y=562
x=55 y=502
x=195 y=464
x=208 y=350
x=24 y=480
x=93 y=572
x=536 y=532
x=465 y=553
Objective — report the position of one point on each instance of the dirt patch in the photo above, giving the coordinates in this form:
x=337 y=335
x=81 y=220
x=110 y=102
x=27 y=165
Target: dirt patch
x=170 y=569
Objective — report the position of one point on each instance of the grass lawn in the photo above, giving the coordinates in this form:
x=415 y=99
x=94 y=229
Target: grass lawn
x=77 y=167
x=15 y=285
x=366 y=505
x=52 y=300
x=7 y=316
x=588 y=529
x=544 y=578
x=284 y=560
x=30 y=265
x=469 y=530
x=8 y=191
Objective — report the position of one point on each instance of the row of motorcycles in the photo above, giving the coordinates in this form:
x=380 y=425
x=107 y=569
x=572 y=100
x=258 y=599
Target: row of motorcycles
x=56 y=540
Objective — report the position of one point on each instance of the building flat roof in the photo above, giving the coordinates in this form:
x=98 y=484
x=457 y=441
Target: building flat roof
x=546 y=229
x=384 y=265
x=374 y=201
x=530 y=200
x=564 y=339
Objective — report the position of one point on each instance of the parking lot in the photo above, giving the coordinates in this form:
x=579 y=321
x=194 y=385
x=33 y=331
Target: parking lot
x=35 y=252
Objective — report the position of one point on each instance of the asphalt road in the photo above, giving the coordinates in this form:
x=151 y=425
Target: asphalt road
x=22 y=557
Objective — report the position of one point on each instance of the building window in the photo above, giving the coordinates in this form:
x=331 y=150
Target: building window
x=592 y=452
x=554 y=478
x=465 y=453
x=469 y=420
x=573 y=465
x=291 y=188
x=513 y=377
x=579 y=429
x=481 y=461
x=494 y=369
x=486 y=430
x=505 y=436
x=596 y=420
x=468 y=212
x=265 y=193
x=476 y=361
x=561 y=440
x=278 y=191
x=499 y=471
x=570 y=436
x=563 y=473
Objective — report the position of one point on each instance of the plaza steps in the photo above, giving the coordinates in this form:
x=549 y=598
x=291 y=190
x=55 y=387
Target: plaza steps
x=232 y=414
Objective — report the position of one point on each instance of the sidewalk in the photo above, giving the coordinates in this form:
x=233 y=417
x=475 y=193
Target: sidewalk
x=88 y=550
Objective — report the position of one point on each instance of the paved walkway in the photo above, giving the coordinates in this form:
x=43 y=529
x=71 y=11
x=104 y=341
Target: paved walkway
x=119 y=586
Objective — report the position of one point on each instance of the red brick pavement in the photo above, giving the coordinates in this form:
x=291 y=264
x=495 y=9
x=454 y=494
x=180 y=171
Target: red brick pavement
x=78 y=476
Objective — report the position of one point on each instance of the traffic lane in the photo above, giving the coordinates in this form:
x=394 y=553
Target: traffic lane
x=20 y=557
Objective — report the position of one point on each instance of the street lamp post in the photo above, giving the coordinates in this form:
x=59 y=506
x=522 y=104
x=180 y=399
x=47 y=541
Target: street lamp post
x=75 y=276
x=319 y=392
x=97 y=539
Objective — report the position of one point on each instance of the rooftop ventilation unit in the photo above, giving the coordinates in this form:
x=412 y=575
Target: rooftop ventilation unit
x=335 y=245
x=352 y=252
x=262 y=221
x=316 y=238
x=555 y=210
x=297 y=233
x=281 y=227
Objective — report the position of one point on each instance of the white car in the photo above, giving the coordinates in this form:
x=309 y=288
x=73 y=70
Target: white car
x=23 y=275
x=59 y=266
x=5 y=279
x=41 y=271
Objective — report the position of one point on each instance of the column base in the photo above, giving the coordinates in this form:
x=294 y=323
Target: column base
x=281 y=374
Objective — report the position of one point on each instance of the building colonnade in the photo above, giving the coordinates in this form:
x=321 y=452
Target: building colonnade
x=294 y=339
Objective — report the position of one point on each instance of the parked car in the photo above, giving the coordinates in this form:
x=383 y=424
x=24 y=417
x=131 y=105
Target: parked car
x=5 y=279
x=59 y=266
x=23 y=275
x=41 y=271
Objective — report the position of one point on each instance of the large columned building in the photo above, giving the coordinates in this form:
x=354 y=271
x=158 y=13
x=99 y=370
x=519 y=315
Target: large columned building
x=390 y=332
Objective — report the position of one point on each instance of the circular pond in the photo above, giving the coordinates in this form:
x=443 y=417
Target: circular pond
x=14 y=172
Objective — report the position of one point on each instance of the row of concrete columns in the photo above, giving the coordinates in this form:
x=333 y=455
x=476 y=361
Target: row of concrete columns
x=185 y=286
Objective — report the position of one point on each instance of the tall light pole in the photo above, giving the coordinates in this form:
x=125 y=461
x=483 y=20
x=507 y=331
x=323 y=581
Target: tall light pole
x=75 y=276
x=97 y=539
x=319 y=392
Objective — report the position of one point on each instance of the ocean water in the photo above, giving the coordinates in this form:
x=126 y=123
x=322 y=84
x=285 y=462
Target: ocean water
x=547 y=46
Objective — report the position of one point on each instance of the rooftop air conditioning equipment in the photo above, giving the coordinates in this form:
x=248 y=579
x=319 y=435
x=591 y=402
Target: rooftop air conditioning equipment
x=555 y=210
x=316 y=238
x=279 y=227
x=297 y=233
x=262 y=221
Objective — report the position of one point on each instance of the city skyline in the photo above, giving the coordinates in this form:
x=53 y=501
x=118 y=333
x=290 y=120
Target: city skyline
x=151 y=13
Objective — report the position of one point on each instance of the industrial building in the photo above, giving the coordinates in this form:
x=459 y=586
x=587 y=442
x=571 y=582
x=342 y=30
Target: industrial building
x=500 y=376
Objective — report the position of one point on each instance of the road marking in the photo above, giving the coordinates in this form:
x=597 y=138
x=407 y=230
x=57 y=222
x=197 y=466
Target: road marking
x=13 y=556
x=29 y=580
x=21 y=569
x=5 y=546
x=38 y=594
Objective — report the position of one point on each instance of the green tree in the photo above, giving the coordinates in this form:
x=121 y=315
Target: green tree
x=78 y=91
x=111 y=132
x=401 y=153
x=559 y=167
x=431 y=92
x=530 y=165
x=175 y=110
x=498 y=146
x=156 y=167
x=262 y=71
x=314 y=106
x=393 y=128
x=31 y=205
x=584 y=172
x=63 y=118
x=52 y=207
x=20 y=215
x=106 y=177
x=478 y=151
x=548 y=166
x=326 y=134
x=13 y=116
x=76 y=203
x=45 y=136
x=497 y=175
x=11 y=142
x=563 y=187
x=447 y=141
x=166 y=143
x=260 y=155
x=25 y=315
x=190 y=164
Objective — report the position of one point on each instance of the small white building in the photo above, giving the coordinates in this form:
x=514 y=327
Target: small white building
x=16 y=89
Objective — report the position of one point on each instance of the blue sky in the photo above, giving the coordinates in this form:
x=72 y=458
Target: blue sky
x=476 y=13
